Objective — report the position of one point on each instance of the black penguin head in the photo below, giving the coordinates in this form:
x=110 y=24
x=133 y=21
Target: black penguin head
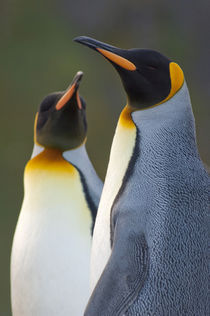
x=61 y=119
x=149 y=78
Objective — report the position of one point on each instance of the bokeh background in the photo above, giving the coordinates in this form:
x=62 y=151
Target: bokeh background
x=37 y=56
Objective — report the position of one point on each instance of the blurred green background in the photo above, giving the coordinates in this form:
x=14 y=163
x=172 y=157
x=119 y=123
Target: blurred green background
x=37 y=56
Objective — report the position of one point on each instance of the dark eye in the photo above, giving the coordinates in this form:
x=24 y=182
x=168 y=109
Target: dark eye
x=151 y=67
x=45 y=106
x=49 y=102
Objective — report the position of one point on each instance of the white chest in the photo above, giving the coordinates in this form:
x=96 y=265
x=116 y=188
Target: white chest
x=51 y=248
x=121 y=152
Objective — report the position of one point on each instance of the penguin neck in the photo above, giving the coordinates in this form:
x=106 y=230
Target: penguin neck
x=51 y=180
x=48 y=161
x=78 y=159
x=126 y=120
x=167 y=129
x=91 y=182
x=168 y=114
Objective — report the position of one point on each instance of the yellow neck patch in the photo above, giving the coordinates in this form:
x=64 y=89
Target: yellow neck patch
x=125 y=119
x=50 y=160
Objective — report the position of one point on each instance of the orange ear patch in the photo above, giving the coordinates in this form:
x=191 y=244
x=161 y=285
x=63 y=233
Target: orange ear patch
x=66 y=97
x=120 y=61
x=177 y=80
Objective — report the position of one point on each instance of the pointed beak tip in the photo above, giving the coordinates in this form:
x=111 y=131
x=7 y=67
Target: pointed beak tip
x=87 y=41
x=76 y=39
x=80 y=38
x=77 y=79
x=79 y=75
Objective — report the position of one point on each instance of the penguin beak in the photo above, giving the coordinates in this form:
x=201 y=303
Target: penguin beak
x=72 y=89
x=112 y=53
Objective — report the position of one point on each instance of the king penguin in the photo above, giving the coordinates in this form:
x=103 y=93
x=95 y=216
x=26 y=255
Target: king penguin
x=149 y=254
x=51 y=246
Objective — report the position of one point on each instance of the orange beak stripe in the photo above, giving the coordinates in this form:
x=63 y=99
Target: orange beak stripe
x=78 y=101
x=120 y=61
x=66 y=97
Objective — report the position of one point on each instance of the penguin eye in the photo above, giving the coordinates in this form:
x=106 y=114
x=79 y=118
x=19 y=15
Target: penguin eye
x=49 y=102
x=45 y=107
x=151 y=67
x=142 y=69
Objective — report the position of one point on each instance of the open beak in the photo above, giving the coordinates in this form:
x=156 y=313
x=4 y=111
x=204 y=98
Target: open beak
x=73 y=88
x=112 y=53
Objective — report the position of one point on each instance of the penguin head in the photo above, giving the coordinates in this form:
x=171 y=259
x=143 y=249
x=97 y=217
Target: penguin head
x=61 y=120
x=149 y=78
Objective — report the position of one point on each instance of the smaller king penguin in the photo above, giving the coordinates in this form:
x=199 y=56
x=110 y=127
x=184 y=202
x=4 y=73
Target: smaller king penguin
x=51 y=246
x=150 y=241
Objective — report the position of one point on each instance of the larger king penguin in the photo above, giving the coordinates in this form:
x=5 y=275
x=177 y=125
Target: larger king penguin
x=51 y=247
x=149 y=253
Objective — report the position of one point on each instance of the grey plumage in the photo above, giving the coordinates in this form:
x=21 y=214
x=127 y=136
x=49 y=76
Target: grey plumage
x=165 y=203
